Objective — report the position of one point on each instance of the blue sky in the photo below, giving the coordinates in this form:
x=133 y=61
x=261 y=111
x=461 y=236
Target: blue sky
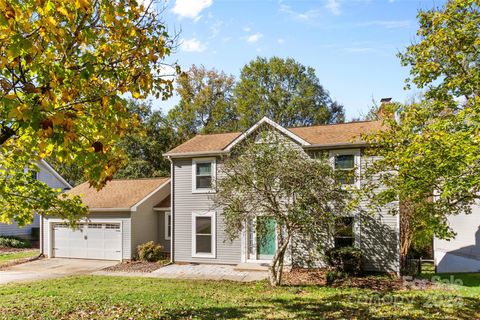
x=352 y=44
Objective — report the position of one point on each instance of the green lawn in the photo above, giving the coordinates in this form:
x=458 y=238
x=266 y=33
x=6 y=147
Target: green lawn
x=101 y=297
x=6 y=258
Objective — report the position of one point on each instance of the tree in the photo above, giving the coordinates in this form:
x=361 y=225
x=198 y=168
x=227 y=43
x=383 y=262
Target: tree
x=146 y=147
x=269 y=177
x=429 y=150
x=65 y=70
x=205 y=103
x=285 y=91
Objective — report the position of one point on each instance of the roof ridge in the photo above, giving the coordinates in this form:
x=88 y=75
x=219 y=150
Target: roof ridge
x=333 y=124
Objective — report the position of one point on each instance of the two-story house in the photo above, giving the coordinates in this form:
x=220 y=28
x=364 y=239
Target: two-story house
x=198 y=230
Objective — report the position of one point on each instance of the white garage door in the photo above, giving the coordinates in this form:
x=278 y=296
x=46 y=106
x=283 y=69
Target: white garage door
x=88 y=241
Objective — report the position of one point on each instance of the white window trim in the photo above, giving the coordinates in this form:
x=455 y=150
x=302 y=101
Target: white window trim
x=167 y=214
x=213 y=161
x=357 y=160
x=212 y=215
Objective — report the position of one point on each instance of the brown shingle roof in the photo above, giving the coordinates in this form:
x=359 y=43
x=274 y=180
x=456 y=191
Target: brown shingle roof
x=117 y=193
x=331 y=134
x=342 y=133
x=206 y=143
x=165 y=203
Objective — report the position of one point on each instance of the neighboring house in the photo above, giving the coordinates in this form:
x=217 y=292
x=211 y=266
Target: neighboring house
x=49 y=176
x=198 y=230
x=462 y=253
x=122 y=215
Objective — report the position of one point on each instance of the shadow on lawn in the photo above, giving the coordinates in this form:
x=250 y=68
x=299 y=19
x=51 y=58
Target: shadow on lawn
x=344 y=306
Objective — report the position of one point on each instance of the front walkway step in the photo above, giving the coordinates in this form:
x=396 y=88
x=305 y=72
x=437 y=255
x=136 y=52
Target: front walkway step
x=251 y=267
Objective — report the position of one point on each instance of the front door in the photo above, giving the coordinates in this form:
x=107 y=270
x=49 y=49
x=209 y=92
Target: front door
x=262 y=240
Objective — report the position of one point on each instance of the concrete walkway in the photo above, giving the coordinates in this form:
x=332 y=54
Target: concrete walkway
x=51 y=268
x=198 y=272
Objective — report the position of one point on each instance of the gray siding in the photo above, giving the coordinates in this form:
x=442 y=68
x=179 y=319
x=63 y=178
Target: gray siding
x=161 y=232
x=120 y=217
x=46 y=176
x=378 y=234
x=145 y=219
x=186 y=203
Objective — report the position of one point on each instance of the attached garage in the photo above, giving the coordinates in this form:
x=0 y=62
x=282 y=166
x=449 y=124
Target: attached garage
x=121 y=217
x=87 y=240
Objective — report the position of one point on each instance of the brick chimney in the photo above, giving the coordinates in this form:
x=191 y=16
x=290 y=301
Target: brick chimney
x=382 y=112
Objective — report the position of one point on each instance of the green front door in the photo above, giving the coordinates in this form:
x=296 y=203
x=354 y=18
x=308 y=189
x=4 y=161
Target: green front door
x=266 y=238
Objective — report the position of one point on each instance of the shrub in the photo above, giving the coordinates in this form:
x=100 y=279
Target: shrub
x=333 y=275
x=150 y=251
x=14 y=242
x=346 y=259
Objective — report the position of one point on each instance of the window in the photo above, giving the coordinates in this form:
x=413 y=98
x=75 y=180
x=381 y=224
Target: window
x=203 y=175
x=203 y=235
x=345 y=164
x=168 y=225
x=34 y=174
x=344 y=236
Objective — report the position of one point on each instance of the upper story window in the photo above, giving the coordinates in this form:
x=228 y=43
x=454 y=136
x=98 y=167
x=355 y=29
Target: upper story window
x=203 y=171
x=347 y=165
x=344 y=236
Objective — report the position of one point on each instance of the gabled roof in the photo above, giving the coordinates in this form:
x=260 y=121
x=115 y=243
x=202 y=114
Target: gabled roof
x=265 y=120
x=55 y=173
x=165 y=203
x=119 y=194
x=342 y=134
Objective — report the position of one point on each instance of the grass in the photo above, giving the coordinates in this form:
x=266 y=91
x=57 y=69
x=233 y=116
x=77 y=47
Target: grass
x=7 y=258
x=102 y=297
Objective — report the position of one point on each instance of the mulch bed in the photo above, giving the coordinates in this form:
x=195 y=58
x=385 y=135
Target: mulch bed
x=13 y=250
x=137 y=266
x=385 y=282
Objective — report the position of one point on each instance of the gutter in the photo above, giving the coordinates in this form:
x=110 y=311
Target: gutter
x=109 y=209
x=192 y=154
x=172 y=210
x=337 y=145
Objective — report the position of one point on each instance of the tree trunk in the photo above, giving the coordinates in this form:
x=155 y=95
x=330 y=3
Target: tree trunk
x=406 y=233
x=276 y=268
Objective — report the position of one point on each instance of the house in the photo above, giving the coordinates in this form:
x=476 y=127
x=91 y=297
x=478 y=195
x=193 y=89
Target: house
x=49 y=176
x=122 y=215
x=198 y=230
x=462 y=253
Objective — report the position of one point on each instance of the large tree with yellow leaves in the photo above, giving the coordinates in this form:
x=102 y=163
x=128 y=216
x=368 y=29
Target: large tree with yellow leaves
x=66 y=68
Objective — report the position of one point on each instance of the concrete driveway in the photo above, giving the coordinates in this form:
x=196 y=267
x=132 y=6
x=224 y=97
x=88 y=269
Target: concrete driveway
x=51 y=268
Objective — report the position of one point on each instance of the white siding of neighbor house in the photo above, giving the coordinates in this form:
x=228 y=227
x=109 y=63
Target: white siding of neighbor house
x=145 y=226
x=115 y=217
x=44 y=175
x=186 y=203
x=462 y=253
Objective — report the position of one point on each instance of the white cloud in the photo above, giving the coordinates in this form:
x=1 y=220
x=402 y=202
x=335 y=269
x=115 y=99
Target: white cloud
x=305 y=16
x=191 y=8
x=193 y=45
x=280 y=41
x=247 y=29
x=388 y=24
x=333 y=6
x=254 y=37
x=215 y=29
